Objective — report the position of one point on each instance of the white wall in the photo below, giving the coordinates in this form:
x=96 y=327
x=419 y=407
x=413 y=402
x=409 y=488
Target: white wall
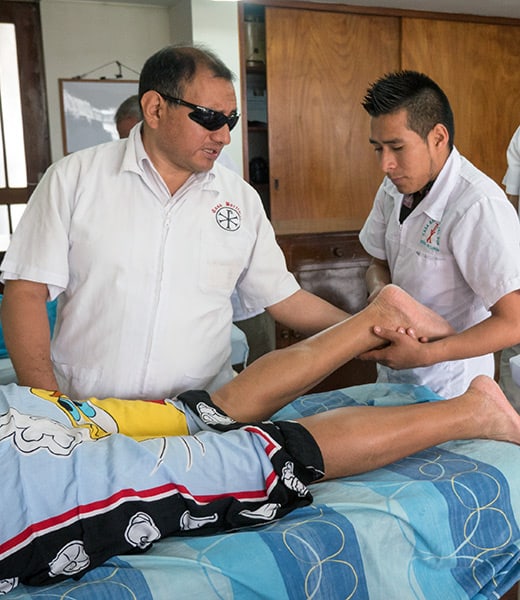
x=181 y=22
x=215 y=24
x=81 y=35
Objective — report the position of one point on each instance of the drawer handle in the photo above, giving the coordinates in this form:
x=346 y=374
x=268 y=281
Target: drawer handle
x=338 y=252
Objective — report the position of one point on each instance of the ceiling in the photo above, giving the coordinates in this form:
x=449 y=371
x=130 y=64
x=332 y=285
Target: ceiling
x=494 y=8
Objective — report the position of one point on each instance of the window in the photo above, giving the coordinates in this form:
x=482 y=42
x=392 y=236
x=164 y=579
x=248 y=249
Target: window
x=13 y=168
x=24 y=136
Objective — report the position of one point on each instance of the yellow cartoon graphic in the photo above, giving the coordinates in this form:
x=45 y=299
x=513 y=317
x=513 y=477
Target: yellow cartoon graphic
x=139 y=419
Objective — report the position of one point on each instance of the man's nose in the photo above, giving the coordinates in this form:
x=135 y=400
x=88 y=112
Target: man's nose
x=387 y=161
x=222 y=135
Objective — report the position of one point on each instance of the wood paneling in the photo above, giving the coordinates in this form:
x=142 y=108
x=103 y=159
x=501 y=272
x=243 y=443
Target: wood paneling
x=513 y=594
x=478 y=66
x=323 y=173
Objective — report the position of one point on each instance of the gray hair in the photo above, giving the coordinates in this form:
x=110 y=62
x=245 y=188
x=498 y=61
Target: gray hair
x=130 y=107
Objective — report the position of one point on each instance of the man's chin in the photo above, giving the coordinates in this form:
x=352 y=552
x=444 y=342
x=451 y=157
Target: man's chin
x=402 y=189
x=405 y=189
x=209 y=160
x=203 y=166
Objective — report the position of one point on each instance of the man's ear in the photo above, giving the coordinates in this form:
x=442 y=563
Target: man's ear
x=439 y=136
x=152 y=108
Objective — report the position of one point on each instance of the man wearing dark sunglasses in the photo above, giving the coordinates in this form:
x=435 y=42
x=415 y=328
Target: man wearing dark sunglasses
x=144 y=241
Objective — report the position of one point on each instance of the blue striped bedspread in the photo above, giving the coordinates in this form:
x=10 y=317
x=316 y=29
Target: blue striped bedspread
x=440 y=525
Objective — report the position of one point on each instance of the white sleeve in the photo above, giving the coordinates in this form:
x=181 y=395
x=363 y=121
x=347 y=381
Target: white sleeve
x=373 y=233
x=38 y=250
x=512 y=177
x=493 y=254
x=266 y=280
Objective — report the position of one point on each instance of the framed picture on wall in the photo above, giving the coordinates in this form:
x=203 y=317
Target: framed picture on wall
x=88 y=107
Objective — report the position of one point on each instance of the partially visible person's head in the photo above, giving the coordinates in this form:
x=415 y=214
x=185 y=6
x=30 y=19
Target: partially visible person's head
x=424 y=101
x=170 y=69
x=127 y=115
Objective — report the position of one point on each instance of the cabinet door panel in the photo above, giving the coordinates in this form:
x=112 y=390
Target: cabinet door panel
x=323 y=173
x=476 y=64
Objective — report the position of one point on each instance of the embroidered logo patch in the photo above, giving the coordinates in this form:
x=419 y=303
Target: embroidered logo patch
x=228 y=216
x=431 y=235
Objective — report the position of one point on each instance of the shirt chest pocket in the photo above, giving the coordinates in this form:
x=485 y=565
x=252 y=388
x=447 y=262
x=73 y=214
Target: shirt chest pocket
x=222 y=260
x=419 y=247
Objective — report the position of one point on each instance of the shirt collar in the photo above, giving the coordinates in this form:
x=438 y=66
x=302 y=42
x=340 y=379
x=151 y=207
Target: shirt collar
x=436 y=201
x=134 y=151
x=137 y=160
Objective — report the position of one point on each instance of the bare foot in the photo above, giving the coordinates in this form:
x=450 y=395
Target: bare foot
x=401 y=310
x=498 y=419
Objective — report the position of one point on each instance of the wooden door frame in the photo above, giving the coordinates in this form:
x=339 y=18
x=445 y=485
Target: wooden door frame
x=25 y=15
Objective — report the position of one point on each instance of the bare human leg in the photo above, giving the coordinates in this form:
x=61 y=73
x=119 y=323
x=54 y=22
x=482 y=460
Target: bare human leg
x=359 y=439
x=280 y=376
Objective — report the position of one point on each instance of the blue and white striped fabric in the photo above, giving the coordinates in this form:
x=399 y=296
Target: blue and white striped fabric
x=442 y=524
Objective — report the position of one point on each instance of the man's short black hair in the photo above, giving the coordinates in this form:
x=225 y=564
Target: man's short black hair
x=171 y=68
x=425 y=102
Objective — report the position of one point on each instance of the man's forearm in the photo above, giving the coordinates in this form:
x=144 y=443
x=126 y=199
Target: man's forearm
x=486 y=337
x=306 y=313
x=514 y=200
x=405 y=352
x=27 y=334
x=34 y=370
x=377 y=276
x=31 y=360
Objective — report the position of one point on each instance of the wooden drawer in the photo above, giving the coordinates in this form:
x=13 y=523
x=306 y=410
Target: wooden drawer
x=307 y=251
x=330 y=265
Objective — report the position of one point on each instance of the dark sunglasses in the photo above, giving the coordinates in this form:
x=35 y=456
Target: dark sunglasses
x=208 y=118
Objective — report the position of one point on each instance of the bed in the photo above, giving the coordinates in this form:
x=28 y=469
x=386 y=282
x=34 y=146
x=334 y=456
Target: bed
x=442 y=524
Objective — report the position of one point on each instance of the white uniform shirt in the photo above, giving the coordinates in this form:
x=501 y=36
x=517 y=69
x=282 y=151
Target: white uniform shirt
x=146 y=277
x=457 y=253
x=512 y=177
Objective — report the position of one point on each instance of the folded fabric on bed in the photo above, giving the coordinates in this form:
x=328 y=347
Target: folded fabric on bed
x=80 y=492
x=443 y=523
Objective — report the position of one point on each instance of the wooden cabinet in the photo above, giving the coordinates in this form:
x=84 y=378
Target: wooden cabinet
x=256 y=151
x=332 y=266
x=477 y=65
x=323 y=174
